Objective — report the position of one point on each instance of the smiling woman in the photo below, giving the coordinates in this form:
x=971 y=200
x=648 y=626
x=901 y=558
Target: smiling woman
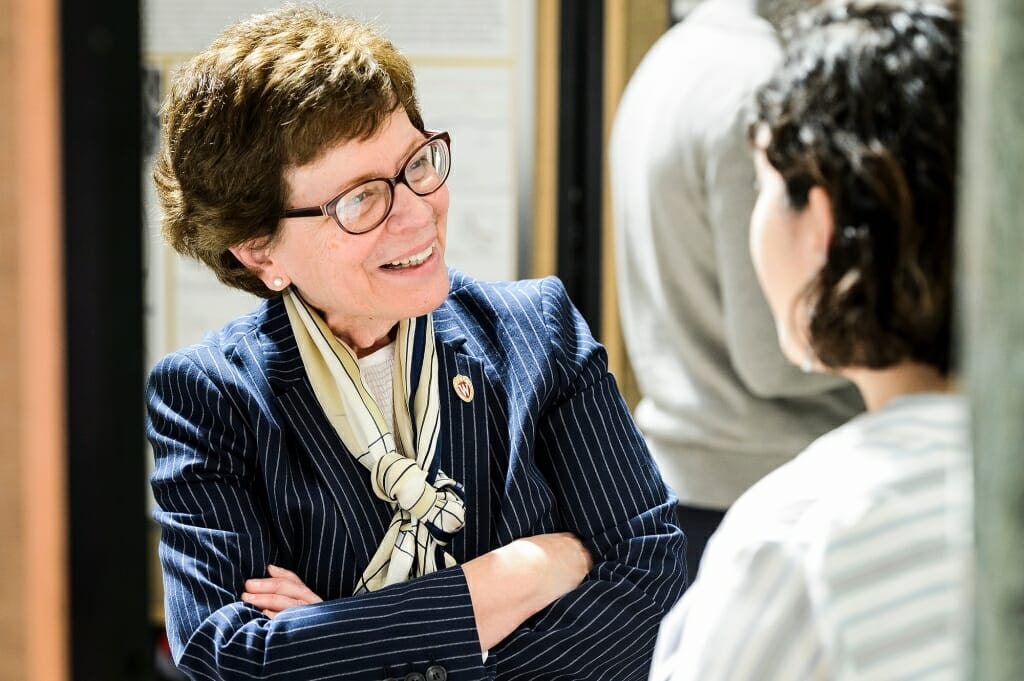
x=388 y=469
x=392 y=267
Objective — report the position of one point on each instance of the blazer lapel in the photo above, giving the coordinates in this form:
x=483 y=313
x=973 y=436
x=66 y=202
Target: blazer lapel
x=463 y=452
x=345 y=479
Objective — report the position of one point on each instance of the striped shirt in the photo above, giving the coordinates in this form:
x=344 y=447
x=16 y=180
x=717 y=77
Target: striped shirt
x=849 y=563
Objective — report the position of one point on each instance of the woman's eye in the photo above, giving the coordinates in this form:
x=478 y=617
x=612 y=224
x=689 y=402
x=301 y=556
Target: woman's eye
x=359 y=201
x=418 y=166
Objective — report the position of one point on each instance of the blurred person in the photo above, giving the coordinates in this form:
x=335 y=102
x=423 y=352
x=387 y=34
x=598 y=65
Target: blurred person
x=720 y=406
x=389 y=469
x=848 y=563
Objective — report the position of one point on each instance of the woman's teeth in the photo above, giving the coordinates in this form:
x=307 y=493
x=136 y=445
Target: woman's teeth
x=416 y=259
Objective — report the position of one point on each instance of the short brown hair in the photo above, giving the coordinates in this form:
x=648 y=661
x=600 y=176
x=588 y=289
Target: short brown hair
x=865 y=105
x=271 y=92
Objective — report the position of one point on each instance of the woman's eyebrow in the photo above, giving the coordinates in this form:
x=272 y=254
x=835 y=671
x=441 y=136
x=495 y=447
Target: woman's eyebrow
x=375 y=175
x=411 y=147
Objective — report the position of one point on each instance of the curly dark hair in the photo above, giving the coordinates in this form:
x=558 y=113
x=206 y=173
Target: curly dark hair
x=272 y=92
x=865 y=105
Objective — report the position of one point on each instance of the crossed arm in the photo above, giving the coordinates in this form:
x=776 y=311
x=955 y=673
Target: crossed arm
x=506 y=585
x=583 y=604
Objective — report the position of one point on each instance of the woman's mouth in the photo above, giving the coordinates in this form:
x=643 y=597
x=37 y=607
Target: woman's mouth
x=412 y=260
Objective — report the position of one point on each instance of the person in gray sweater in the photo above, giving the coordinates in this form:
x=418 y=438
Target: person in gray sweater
x=721 y=407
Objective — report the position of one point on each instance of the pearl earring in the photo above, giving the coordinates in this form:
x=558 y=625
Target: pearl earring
x=278 y=283
x=807 y=363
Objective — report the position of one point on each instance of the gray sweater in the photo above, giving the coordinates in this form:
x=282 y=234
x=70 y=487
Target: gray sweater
x=720 y=405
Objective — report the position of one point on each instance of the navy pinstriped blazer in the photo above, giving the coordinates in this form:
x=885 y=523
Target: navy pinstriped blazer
x=249 y=471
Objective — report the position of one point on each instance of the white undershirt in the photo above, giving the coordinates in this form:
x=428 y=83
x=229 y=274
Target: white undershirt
x=377 y=369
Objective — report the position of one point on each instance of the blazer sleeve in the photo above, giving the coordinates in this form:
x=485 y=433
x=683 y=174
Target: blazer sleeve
x=215 y=534
x=611 y=496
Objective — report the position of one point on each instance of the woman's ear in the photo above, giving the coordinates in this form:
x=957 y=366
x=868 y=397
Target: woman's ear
x=257 y=257
x=254 y=253
x=820 y=221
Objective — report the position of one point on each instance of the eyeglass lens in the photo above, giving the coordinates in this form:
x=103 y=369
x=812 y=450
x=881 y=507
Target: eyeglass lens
x=364 y=207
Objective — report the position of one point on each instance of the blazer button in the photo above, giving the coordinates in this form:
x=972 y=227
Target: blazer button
x=415 y=676
x=436 y=672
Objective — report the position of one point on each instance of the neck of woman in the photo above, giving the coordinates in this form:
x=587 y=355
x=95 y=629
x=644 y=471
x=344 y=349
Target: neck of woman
x=366 y=339
x=879 y=386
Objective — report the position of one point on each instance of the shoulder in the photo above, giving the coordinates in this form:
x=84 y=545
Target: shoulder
x=716 y=39
x=525 y=323
x=875 y=481
x=235 y=344
x=528 y=307
x=504 y=295
x=853 y=519
x=876 y=456
x=936 y=417
x=788 y=517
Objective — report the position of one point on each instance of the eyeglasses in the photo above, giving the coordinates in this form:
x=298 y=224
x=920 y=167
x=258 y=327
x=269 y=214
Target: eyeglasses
x=365 y=206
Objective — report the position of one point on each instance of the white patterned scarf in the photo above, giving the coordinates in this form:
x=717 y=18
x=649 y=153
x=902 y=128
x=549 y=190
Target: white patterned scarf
x=429 y=506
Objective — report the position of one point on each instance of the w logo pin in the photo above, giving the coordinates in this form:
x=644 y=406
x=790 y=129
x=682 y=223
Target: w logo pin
x=463 y=387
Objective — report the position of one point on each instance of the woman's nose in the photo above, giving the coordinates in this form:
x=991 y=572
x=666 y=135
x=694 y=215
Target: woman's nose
x=408 y=210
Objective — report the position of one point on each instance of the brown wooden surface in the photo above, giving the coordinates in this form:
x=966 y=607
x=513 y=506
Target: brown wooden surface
x=631 y=27
x=33 y=614
x=545 y=232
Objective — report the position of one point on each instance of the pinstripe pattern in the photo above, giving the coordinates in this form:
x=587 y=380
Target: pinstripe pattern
x=427 y=503
x=847 y=564
x=249 y=471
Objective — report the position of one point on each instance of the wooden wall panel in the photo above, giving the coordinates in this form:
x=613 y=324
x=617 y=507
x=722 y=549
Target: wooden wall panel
x=33 y=635
x=545 y=209
x=631 y=27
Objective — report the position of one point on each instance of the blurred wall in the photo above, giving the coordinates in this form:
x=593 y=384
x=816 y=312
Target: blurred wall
x=33 y=570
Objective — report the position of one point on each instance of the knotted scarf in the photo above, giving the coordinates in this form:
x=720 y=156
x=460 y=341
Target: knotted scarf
x=429 y=506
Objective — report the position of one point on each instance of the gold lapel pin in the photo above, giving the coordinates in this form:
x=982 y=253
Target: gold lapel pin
x=463 y=387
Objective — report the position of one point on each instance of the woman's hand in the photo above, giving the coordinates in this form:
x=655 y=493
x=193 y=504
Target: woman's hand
x=275 y=594
x=506 y=585
x=558 y=561
x=511 y=583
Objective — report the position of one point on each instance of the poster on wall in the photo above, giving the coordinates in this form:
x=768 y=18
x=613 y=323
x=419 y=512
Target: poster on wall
x=474 y=66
